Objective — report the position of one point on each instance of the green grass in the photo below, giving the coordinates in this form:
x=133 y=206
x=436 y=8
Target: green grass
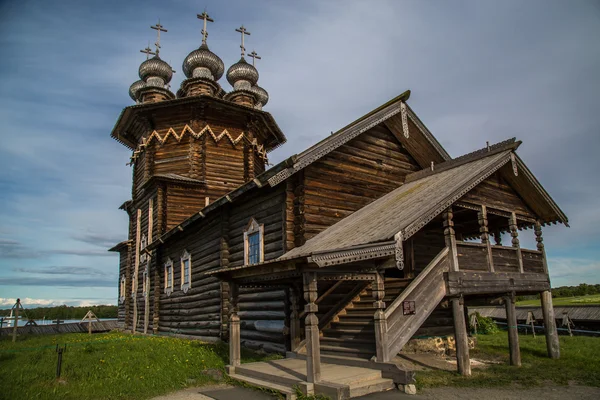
x=107 y=366
x=566 y=301
x=579 y=362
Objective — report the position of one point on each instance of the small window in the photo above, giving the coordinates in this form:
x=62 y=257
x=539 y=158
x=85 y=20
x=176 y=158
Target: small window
x=186 y=271
x=122 y=289
x=145 y=281
x=143 y=244
x=253 y=243
x=133 y=288
x=169 y=277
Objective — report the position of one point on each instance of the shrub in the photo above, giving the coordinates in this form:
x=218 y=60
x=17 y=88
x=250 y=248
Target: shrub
x=485 y=325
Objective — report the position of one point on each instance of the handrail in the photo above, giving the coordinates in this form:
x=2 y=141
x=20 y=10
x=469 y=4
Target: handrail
x=396 y=303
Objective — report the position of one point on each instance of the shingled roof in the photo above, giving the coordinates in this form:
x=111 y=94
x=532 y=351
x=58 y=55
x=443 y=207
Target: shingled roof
x=409 y=208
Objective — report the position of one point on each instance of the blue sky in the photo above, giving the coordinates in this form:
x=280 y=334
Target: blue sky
x=478 y=70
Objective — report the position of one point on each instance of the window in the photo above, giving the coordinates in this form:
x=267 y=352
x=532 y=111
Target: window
x=254 y=243
x=122 y=289
x=186 y=271
x=133 y=288
x=145 y=282
x=169 y=277
x=143 y=244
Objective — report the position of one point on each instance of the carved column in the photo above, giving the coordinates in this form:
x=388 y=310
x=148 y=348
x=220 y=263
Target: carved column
x=498 y=237
x=515 y=239
x=381 y=342
x=485 y=236
x=234 y=329
x=311 y=323
x=552 y=343
x=294 y=320
x=450 y=239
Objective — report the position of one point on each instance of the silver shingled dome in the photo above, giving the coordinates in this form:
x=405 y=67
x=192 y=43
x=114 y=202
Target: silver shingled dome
x=203 y=63
x=153 y=70
x=134 y=88
x=242 y=75
x=261 y=94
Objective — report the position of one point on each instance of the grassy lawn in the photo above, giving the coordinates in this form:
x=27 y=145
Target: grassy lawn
x=566 y=301
x=107 y=366
x=579 y=362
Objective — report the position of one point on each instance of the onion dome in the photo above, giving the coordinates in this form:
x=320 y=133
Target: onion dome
x=203 y=63
x=134 y=89
x=155 y=72
x=261 y=95
x=241 y=75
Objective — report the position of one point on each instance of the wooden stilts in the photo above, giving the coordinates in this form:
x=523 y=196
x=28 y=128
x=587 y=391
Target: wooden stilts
x=460 y=335
x=234 y=328
x=513 y=333
x=381 y=343
x=311 y=323
x=552 y=343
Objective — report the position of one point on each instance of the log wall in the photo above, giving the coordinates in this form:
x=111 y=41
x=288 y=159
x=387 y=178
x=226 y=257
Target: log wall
x=352 y=176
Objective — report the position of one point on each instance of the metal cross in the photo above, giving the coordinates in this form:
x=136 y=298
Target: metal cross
x=254 y=56
x=204 y=16
x=159 y=28
x=243 y=31
x=147 y=51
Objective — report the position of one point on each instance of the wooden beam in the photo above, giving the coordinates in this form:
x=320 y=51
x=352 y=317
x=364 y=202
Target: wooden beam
x=515 y=239
x=450 y=239
x=381 y=342
x=513 y=333
x=485 y=236
x=311 y=323
x=552 y=343
x=460 y=336
x=234 y=328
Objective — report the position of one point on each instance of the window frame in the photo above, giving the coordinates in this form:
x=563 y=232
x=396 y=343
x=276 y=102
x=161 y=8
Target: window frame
x=143 y=244
x=168 y=284
x=122 y=289
x=186 y=256
x=145 y=280
x=252 y=228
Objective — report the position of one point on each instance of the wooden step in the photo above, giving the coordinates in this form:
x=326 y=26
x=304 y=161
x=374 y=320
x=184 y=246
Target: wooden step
x=371 y=386
x=287 y=391
x=349 y=321
x=255 y=373
x=331 y=340
x=354 y=351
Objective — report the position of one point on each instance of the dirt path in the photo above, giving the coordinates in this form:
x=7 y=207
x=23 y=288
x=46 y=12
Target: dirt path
x=225 y=392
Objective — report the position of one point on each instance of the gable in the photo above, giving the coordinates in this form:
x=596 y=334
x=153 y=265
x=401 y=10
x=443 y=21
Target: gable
x=495 y=192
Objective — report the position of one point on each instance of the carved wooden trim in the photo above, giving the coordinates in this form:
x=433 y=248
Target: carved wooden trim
x=357 y=253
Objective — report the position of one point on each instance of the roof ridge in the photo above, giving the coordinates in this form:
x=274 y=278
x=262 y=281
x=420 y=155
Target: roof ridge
x=509 y=144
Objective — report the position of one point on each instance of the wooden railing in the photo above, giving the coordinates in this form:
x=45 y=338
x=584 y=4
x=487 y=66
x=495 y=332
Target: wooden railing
x=473 y=257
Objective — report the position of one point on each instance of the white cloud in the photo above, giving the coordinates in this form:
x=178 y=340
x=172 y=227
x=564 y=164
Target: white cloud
x=566 y=271
x=32 y=303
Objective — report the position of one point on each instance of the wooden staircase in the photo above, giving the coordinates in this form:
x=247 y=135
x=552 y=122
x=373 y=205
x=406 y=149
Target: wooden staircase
x=351 y=333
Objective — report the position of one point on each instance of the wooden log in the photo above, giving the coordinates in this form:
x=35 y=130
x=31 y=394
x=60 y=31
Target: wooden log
x=552 y=343
x=311 y=323
x=460 y=335
x=513 y=333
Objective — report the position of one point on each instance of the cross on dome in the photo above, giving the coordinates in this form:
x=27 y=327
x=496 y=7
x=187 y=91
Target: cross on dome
x=204 y=16
x=243 y=31
x=254 y=56
x=148 y=51
x=159 y=28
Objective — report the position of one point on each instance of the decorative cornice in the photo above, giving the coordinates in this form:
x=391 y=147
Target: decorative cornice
x=155 y=136
x=353 y=254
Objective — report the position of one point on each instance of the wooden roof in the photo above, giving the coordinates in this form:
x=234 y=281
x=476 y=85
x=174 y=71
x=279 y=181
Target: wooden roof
x=409 y=208
x=133 y=120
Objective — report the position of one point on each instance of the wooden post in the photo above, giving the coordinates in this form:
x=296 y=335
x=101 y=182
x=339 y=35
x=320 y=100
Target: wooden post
x=381 y=343
x=552 y=343
x=311 y=323
x=450 y=239
x=294 y=320
x=234 y=328
x=540 y=243
x=16 y=320
x=485 y=236
x=515 y=239
x=513 y=332
x=460 y=336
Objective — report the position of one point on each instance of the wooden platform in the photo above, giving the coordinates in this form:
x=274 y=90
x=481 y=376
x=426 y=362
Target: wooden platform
x=337 y=381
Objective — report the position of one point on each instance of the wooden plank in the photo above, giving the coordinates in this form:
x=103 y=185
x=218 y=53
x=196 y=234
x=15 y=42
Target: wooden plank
x=461 y=338
x=513 y=333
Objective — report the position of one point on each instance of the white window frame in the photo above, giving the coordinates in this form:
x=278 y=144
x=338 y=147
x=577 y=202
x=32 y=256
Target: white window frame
x=143 y=244
x=145 y=280
x=122 y=289
x=252 y=228
x=186 y=257
x=168 y=283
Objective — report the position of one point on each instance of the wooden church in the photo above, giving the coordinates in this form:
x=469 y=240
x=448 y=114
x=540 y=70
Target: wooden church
x=336 y=256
